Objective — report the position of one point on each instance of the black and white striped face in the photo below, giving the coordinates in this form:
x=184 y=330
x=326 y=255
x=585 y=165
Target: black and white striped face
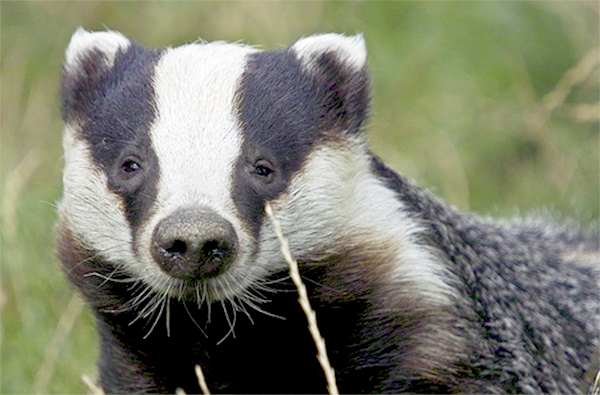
x=171 y=155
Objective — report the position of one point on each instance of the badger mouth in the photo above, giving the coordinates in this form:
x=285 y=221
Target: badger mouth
x=196 y=258
x=195 y=254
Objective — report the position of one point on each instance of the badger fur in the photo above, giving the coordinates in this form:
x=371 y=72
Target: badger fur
x=170 y=157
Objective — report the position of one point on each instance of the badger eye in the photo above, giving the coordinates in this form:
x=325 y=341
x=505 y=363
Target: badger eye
x=130 y=166
x=262 y=168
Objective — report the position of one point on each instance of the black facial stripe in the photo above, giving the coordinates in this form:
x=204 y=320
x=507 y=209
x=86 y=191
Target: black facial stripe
x=78 y=86
x=279 y=120
x=284 y=110
x=117 y=124
x=343 y=92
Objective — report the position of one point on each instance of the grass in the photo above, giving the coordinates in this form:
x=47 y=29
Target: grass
x=493 y=105
x=304 y=302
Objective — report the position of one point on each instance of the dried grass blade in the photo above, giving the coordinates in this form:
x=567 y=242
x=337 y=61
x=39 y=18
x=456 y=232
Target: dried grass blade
x=201 y=380
x=305 y=304
x=94 y=388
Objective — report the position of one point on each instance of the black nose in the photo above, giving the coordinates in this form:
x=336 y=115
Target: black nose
x=194 y=243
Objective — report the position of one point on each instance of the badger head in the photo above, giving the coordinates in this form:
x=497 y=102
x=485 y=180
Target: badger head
x=171 y=155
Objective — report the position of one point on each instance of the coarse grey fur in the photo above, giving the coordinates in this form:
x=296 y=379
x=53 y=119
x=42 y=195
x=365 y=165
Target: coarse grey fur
x=411 y=295
x=528 y=295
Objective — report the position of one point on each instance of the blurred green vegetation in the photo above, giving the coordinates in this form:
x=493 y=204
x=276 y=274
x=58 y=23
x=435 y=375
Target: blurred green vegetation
x=493 y=105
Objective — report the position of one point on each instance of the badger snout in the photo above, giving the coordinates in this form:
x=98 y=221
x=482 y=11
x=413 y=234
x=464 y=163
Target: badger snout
x=194 y=244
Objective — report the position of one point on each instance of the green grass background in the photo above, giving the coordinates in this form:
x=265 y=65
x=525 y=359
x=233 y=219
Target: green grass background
x=461 y=103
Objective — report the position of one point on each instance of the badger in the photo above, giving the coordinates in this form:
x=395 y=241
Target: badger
x=170 y=157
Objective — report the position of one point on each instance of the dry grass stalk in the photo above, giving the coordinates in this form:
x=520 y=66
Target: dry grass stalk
x=59 y=337
x=94 y=388
x=15 y=184
x=585 y=112
x=574 y=76
x=201 y=380
x=596 y=388
x=304 y=302
x=556 y=98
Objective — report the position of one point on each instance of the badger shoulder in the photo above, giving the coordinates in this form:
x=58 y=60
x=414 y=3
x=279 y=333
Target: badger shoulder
x=526 y=290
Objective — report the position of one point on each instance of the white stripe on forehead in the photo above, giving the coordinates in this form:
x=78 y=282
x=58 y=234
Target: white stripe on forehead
x=196 y=135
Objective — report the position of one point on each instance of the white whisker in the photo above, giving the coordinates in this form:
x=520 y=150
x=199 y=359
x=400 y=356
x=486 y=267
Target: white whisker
x=231 y=324
x=162 y=306
x=193 y=320
x=258 y=309
x=167 y=301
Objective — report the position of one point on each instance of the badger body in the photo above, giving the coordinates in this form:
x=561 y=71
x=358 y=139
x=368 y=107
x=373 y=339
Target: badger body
x=170 y=157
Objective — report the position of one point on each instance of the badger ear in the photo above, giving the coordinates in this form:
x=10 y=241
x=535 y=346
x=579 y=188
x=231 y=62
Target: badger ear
x=338 y=65
x=83 y=44
x=349 y=51
x=89 y=56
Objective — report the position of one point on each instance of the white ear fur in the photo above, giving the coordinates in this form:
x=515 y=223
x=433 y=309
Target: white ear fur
x=350 y=50
x=82 y=42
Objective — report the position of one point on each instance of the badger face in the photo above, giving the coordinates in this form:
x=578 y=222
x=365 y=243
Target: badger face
x=171 y=155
